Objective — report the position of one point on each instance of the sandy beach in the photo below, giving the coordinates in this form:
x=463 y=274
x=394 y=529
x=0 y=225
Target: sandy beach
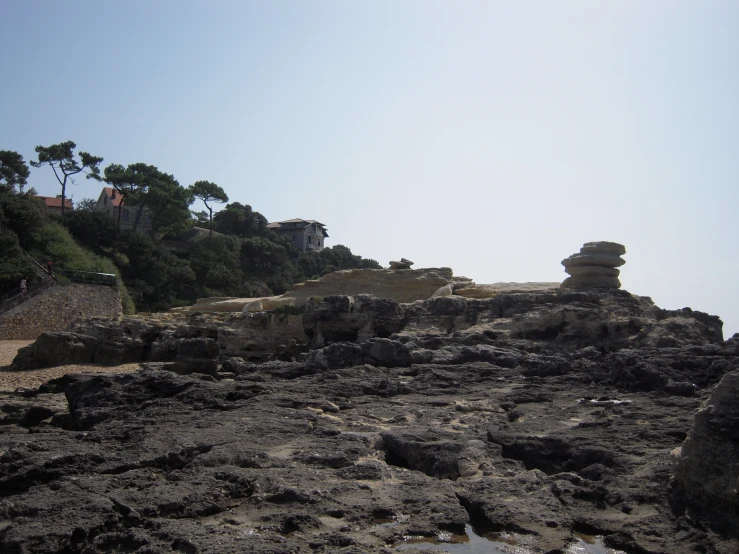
x=12 y=380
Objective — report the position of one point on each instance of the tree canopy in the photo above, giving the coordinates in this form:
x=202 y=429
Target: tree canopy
x=128 y=182
x=61 y=158
x=168 y=204
x=240 y=220
x=13 y=171
x=208 y=192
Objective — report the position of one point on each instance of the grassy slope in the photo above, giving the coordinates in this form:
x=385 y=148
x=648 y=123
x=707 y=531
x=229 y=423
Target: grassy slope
x=53 y=241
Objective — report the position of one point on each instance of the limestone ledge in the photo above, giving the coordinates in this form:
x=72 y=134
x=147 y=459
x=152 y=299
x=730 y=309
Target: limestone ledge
x=402 y=285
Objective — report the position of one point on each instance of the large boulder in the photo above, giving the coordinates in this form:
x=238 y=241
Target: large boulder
x=52 y=349
x=387 y=353
x=707 y=465
x=376 y=352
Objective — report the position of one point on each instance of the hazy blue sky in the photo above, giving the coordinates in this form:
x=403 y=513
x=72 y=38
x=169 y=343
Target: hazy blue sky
x=493 y=137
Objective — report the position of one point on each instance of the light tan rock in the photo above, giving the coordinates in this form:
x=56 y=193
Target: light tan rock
x=488 y=291
x=462 y=282
x=407 y=285
x=477 y=291
x=254 y=306
x=446 y=290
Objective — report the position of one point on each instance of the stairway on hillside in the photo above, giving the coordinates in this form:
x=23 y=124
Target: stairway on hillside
x=15 y=298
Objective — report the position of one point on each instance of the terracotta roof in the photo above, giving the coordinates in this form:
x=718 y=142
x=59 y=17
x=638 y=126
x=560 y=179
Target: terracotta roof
x=53 y=202
x=115 y=200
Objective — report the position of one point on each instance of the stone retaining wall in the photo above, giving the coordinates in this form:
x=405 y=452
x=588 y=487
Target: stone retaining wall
x=57 y=308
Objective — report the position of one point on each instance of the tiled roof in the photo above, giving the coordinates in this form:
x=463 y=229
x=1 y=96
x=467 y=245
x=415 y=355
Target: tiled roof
x=289 y=226
x=277 y=224
x=53 y=202
x=116 y=201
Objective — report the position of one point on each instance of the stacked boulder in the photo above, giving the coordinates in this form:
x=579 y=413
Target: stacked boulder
x=594 y=267
x=402 y=264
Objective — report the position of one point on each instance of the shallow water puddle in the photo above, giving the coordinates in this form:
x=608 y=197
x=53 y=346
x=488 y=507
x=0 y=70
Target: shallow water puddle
x=389 y=520
x=469 y=543
x=590 y=544
x=385 y=522
x=472 y=543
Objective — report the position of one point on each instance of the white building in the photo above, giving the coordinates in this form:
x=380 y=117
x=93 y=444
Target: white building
x=305 y=234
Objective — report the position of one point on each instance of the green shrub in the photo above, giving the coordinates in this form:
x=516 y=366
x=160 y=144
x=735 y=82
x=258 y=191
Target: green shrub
x=129 y=308
x=290 y=309
x=13 y=264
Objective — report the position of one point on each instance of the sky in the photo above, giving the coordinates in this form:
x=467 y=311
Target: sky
x=492 y=137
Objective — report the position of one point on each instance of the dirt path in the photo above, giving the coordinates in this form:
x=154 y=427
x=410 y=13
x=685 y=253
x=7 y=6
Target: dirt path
x=11 y=380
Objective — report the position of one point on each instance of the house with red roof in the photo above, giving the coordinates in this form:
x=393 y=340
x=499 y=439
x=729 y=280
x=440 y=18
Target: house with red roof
x=54 y=204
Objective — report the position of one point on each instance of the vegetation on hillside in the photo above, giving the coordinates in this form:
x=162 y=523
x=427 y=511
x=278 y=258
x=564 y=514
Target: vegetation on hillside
x=241 y=258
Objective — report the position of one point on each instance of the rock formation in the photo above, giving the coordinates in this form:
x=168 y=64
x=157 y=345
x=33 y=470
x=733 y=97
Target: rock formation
x=707 y=465
x=355 y=423
x=594 y=267
x=402 y=264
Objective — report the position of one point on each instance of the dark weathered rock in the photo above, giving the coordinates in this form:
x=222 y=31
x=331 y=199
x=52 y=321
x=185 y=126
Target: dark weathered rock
x=707 y=467
x=360 y=421
x=187 y=355
x=386 y=353
x=339 y=354
x=52 y=349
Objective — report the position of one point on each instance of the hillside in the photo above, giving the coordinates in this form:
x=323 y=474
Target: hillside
x=244 y=258
x=30 y=235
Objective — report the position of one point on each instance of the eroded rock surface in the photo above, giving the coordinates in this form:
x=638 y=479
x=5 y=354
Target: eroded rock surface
x=707 y=466
x=359 y=422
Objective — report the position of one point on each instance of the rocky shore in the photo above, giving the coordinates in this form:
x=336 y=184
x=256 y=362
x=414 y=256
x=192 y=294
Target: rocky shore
x=359 y=424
